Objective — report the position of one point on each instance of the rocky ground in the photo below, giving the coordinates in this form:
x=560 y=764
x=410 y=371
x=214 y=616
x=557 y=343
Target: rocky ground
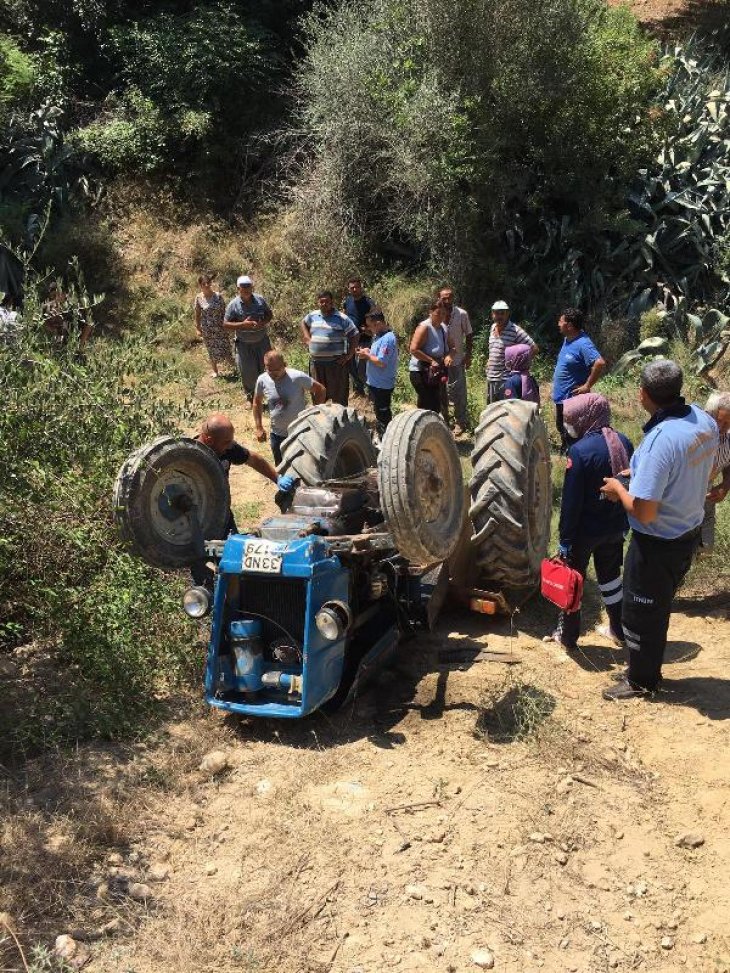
x=457 y=815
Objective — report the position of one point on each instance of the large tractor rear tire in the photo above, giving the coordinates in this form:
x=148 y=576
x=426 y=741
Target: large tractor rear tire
x=421 y=486
x=169 y=496
x=327 y=442
x=511 y=493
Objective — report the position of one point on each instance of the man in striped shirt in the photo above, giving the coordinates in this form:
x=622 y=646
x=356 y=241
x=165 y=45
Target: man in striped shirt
x=331 y=338
x=503 y=334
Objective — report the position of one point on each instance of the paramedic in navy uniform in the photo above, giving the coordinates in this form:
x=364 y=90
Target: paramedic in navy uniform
x=589 y=526
x=665 y=503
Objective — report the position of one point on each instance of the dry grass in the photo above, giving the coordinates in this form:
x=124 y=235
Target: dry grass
x=63 y=814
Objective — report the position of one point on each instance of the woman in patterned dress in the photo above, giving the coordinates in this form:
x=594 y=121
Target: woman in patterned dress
x=209 y=310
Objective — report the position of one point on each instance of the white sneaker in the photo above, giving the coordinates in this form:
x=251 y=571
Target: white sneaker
x=607 y=633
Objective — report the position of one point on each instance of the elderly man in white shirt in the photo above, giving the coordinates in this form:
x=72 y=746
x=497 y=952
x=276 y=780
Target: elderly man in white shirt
x=718 y=406
x=460 y=331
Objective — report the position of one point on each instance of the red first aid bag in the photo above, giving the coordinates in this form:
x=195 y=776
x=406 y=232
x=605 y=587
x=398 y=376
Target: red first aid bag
x=561 y=584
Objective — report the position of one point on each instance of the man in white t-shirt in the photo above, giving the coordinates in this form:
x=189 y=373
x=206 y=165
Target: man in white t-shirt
x=283 y=389
x=460 y=330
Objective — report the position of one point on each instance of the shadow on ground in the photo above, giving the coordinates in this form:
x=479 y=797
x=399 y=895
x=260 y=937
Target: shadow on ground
x=393 y=692
x=538 y=617
x=708 y=695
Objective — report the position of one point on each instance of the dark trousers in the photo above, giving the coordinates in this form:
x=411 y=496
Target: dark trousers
x=653 y=571
x=201 y=571
x=608 y=554
x=495 y=391
x=334 y=377
x=381 y=404
x=250 y=361
x=275 y=440
x=358 y=366
x=566 y=441
x=427 y=396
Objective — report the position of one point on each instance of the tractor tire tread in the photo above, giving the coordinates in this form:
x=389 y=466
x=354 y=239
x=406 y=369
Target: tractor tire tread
x=509 y=538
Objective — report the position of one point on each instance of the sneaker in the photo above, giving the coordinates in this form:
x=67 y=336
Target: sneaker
x=555 y=637
x=607 y=632
x=625 y=690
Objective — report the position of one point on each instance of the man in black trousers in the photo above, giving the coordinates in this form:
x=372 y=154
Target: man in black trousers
x=665 y=502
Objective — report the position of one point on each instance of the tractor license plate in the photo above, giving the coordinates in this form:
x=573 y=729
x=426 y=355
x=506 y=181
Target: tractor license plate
x=262 y=556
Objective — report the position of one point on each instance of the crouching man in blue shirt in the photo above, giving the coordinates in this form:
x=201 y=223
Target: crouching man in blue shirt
x=664 y=501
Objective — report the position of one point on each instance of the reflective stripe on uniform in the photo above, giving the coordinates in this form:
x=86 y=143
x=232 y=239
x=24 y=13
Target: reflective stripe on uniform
x=612 y=592
x=633 y=640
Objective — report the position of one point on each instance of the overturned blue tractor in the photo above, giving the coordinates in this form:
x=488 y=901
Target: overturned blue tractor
x=365 y=550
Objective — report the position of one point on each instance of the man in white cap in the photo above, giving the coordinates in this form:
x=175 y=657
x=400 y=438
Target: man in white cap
x=503 y=334
x=247 y=315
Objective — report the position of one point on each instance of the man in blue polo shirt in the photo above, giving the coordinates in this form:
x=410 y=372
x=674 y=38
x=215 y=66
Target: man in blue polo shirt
x=331 y=338
x=578 y=368
x=381 y=366
x=665 y=503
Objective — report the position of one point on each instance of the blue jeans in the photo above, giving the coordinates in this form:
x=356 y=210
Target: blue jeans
x=275 y=440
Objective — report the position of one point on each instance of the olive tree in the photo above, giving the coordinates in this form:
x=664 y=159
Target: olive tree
x=434 y=126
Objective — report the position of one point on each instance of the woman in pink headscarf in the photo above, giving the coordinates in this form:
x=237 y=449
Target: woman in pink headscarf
x=518 y=383
x=589 y=525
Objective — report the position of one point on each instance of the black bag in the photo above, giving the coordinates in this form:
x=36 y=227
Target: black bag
x=435 y=374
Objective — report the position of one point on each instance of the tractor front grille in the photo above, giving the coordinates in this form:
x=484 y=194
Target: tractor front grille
x=277 y=602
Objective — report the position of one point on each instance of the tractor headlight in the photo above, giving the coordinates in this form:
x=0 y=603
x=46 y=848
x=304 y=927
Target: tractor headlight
x=196 y=602
x=333 y=620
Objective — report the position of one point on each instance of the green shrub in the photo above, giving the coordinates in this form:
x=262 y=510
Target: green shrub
x=111 y=625
x=189 y=84
x=431 y=127
x=664 y=234
x=17 y=74
x=130 y=136
x=651 y=325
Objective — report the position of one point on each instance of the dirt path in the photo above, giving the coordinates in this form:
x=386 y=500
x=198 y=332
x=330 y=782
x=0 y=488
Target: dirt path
x=672 y=16
x=416 y=828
